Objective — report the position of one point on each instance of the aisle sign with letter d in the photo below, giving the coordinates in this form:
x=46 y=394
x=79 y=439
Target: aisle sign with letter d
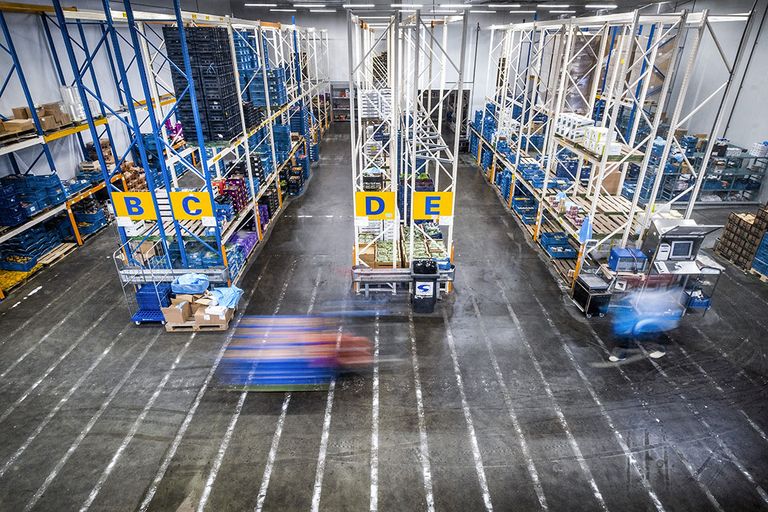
x=431 y=205
x=134 y=205
x=188 y=205
x=375 y=205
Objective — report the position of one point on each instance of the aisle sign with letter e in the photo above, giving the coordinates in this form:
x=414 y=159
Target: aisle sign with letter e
x=375 y=205
x=188 y=205
x=432 y=206
x=134 y=205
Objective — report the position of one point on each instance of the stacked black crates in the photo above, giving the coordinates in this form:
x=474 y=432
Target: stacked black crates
x=214 y=77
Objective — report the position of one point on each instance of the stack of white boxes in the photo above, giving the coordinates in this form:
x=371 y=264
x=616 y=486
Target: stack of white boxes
x=599 y=140
x=573 y=126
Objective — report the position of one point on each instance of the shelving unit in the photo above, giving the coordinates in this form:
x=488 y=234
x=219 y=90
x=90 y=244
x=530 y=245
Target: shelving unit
x=618 y=70
x=398 y=148
x=340 y=101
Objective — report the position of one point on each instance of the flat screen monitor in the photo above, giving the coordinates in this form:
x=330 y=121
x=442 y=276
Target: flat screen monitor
x=681 y=250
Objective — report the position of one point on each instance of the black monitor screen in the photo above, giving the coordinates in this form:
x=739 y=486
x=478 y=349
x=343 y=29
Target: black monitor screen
x=681 y=250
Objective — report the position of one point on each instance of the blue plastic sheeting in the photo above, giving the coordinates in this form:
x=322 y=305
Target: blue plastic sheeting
x=190 y=283
x=228 y=297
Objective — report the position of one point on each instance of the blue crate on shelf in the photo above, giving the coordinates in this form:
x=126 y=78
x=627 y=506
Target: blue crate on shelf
x=18 y=266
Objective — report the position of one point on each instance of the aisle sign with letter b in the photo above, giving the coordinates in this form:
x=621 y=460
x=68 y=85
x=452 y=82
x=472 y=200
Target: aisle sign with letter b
x=375 y=205
x=134 y=205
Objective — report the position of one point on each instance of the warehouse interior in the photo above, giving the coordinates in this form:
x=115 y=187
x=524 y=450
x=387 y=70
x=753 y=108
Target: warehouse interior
x=319 y=255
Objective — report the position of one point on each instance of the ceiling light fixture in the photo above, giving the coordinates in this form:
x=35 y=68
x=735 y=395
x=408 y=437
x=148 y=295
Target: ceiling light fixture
x=322 y=10
x=502 y=6
x=601 y=6
x=522 y=12
x=260 y=5
x=562 y=11
x=455 y=6
x=414 y=6
x=309 y=6
x=359 y=6
x=443 y=12
x=552 y=6
x=282 y=10
x=483 y=12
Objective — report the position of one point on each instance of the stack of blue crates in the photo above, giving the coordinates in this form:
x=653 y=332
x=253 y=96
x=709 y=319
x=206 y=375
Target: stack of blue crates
x=557 y=246
x=88 y=223
x=760 y=263
x=282 y=134
x=502 y=147
x=486 y=160
x=504 y=180
x=150 y=298
x=29 y=245
x=24 y=195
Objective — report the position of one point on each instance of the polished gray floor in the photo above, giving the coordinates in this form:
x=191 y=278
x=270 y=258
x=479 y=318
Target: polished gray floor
x=503 y=399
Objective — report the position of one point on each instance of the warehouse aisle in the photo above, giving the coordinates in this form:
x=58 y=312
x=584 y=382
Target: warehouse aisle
x=502 y=400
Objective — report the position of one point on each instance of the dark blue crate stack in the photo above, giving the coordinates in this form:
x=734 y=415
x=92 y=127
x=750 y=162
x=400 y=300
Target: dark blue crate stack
x=597 y=111
x=689 y=143
x=502 y=147
x=486 y=160
x=88 y=223
x=760 y=262
x=32 y=243
x=282 y=134
x=474 y=140
x=150 y=298
x=557 y=246
x=524 y=205
x=23 y=196
x=504 y=182
x=214 y=76
x=489 y=122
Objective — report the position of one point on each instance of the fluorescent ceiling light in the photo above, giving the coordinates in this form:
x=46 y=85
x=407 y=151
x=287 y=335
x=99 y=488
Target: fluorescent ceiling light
x=552 y=6
x=260 y=5
x=601 y=6
x=454 y=6
x=522 y=12
x=483 y=12
x=443 y=12
x=322 y=10
x=308 y=6
x=414 y=6
x=282 y=10
x=359 y=6
x=561 y=12
x=502 y=6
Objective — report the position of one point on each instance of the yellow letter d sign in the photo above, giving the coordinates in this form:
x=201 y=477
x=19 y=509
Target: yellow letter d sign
x=375 y=205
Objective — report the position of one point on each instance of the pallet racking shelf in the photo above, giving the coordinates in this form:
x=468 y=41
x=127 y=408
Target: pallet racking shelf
x=619 y=70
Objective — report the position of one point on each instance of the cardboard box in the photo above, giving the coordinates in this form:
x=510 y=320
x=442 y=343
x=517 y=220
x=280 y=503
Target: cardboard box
x=18 y=125
x=21 y=112
x=204 y=318
x=48 y=123
x=178 y=312
x=188 y=297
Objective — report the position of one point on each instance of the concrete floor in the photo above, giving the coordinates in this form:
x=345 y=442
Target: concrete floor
x=502 y=399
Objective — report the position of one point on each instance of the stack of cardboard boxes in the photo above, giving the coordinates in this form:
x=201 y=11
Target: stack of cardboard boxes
x=195 y=313
x=51 y=116
x=742 y=237
x=135 y=179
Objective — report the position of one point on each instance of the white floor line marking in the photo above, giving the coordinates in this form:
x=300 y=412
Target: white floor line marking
x=55 y=364
x=47 y=335
x=321 y=456
x=79 y=439
x=374 y=502
x=603 y=412
x=645 y=406
x=64 y=400
x=558 y=411
x=33 y=316
x=717 y=386
x=165 y=464
x=533 y=473
x=697 y=414
x=128 y=437
x=478 y=459
x=272 y=455
x=426 y=469
x=214 y=473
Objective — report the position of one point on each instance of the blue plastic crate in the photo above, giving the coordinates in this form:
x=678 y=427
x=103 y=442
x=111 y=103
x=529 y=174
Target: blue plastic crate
x=90 y=217
x=15 y=266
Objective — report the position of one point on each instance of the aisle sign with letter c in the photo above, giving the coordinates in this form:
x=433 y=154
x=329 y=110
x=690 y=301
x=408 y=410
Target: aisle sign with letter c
x=188 y=205
x=375 y=205
x=430 y=205
x=134 y=205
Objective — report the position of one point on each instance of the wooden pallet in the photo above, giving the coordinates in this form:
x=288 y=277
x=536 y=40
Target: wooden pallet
x=194 y=327
x=56 y=254
x=759 y=275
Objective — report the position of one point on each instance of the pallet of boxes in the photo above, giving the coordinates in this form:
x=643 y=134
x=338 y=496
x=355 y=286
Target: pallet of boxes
x=744 y=243
x=196 y=313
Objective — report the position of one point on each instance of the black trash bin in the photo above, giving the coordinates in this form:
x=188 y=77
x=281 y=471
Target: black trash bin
x=425 y=288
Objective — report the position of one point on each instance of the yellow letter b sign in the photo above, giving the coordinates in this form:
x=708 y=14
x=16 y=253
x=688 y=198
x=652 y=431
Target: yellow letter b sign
x=134 y=205
x=432 y=205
